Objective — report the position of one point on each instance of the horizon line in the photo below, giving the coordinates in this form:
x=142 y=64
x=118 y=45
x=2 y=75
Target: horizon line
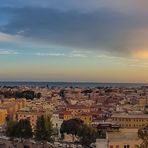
x=35 y=81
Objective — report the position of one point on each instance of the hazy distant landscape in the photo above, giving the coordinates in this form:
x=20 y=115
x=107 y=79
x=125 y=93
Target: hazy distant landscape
x=73 y=74
x=68 y=84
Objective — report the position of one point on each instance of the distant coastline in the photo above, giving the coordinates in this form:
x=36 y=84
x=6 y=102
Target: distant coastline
x=66 y=84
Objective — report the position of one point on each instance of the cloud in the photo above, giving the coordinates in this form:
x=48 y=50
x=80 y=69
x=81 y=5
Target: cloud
x=105 y=29
x=80 y=55
x=4 y=37
x=8 y=52
x=141 y=65
x=50 y=54
x=71 y=55
x=140 y=54
x=131 y=59
x=83 y=5
x=81 y=52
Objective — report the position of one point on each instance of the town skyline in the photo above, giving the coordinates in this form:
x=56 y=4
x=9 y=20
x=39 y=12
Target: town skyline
x=74 y=41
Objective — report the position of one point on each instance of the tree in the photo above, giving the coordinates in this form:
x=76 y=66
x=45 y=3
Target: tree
x=76 y=127
x=49 y=129
x=44 y=129
x=24 y=129
x=21 y=129
x=71 y=126
x=10 y=129
x=38 y=95
x=87 y=135
x=40 y=130
x=143 y=134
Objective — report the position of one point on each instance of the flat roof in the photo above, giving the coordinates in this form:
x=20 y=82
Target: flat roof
x=125 y=136
x=141 y=116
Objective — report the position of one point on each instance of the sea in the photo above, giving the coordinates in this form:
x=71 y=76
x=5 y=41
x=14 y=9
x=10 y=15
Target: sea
x=67 y=84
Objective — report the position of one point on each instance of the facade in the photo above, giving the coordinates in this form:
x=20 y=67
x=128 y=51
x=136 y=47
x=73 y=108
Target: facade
x=120 y=139
x=130 y=121
x=12 y=106
x=85 y=117
x=123 y=140
x=142 y=103
x=32 y=116
x=78 y=109
x=68 y=115
x=56 y=122
x=101 y=143
x=3 y=115
x=85 y=113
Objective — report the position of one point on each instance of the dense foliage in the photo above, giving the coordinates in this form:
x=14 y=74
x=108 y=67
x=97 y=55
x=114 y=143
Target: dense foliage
x=21 y=129
x=44 y=129
x=71 y=126
x=28 y=94
x=76 y=127
x=87 y=135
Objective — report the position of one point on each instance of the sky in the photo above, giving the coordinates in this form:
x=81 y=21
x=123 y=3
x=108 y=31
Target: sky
x=72 y=41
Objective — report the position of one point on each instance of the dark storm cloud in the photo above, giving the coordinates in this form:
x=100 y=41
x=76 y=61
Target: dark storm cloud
x=119 y=5
x=102 y=29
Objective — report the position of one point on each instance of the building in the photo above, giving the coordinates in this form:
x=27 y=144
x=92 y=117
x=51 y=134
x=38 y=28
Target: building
x=68 y=115
x=123 y=139
x=3 y=115
x=101 y=143
x=130 y=120
x=85 y=117
x=120 y=139
x=31 y=115
x=56 y=121
x=78 y=109
x=142 y=103
x=12 y=105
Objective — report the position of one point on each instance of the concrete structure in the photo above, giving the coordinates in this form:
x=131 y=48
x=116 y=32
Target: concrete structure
x=12 y=105
x=121 y=139
x=101 y=143
x=142 y=103
x=30 y=115
x=130 y=120
x=3 y=115
x=78 y=109
x=56 y=121
x=85 y=117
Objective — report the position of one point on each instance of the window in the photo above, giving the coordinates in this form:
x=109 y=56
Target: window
x=117 y=146
x=126 y=146
x=111 y=146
